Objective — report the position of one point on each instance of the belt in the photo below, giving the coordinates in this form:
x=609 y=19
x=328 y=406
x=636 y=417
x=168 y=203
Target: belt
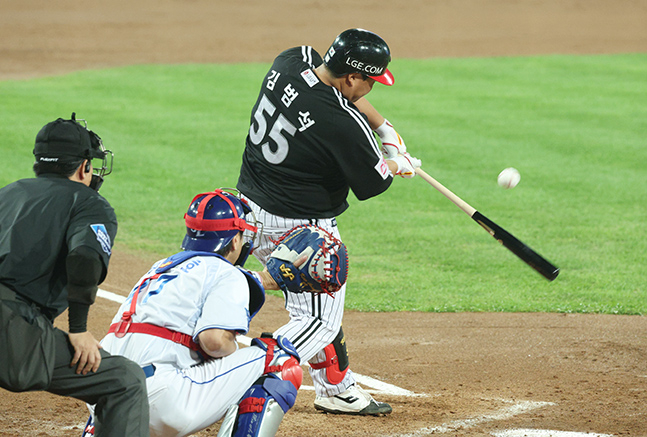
x=149 y=370
x=7 y=293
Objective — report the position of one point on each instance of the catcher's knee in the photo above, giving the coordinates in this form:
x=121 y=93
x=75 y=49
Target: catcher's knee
x=88 y=431
x=336 y=363
x=262 y=407
x=282 y=358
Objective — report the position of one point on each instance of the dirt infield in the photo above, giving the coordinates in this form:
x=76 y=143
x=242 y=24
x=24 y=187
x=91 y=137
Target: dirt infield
x=460 y=374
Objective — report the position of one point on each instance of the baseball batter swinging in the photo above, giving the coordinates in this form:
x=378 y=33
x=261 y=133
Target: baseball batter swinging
x=311 y=140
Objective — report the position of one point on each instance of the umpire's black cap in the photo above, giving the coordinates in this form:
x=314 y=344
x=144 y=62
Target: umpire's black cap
x=66 y=141
x=360 y=51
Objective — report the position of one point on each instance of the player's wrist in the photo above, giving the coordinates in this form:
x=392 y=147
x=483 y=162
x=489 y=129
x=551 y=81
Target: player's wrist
x=382 y=129
x=266 y=280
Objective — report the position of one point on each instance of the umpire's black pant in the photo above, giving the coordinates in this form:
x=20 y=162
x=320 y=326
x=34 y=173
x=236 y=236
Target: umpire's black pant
x=117 y=388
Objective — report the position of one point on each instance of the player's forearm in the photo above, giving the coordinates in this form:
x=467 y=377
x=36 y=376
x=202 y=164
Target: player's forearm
x=78 y=317
x=266 y=279
x=375 y=119
x=84 y=269
x=223 y=351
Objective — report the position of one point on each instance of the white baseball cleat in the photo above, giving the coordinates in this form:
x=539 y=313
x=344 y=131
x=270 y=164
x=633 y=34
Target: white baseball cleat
x=355 y=401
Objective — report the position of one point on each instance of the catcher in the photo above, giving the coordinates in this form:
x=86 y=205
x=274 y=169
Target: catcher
x=181 y=320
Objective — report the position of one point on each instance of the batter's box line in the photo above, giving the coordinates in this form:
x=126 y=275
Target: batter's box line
x=502 y=414
x=378 y=387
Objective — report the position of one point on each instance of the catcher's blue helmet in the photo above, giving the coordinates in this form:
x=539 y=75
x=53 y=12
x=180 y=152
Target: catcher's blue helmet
x=214 y=219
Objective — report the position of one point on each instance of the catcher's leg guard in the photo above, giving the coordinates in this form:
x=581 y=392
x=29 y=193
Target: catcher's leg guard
x=336 y=363
x=262 y=407
x=260 y=411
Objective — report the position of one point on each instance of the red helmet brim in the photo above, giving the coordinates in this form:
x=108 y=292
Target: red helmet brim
x=385 y=78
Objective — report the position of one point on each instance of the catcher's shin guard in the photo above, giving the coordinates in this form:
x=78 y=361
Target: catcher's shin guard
x=261 y=410
x=336 y=363
x=262 y=407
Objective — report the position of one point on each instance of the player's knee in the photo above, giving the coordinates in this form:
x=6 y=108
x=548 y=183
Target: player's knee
x=261 y=409
x=163 y=423
x=282 y=358
x=127 y=379
x=133 y=375
x=336 y=361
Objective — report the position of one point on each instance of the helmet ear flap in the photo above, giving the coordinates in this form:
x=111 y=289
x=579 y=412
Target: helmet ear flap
x=246 y=208
x=244 y=253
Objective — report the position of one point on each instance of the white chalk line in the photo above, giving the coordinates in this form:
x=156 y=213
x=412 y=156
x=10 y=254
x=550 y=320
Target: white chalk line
x=111 y=296
x=544 y=433
x=378 y=387
x=461 y=424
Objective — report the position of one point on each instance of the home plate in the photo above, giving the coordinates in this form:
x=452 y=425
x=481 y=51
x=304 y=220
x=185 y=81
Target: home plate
x=544 y=433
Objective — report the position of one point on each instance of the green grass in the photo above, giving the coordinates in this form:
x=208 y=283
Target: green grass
x=575 y=127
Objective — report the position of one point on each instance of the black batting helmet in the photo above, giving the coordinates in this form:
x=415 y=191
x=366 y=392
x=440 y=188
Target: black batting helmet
x=360 y=51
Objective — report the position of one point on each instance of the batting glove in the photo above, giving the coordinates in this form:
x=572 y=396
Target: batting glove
x=392 y=142
x=407 y=165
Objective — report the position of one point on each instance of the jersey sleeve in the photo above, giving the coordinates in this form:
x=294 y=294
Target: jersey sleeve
x=226 y=302
x=93 y=224
x=361 y=160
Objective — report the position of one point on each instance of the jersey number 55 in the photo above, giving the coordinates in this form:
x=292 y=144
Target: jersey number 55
x=258 y=134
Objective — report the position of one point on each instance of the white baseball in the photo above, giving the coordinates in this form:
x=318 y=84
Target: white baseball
x=509 y=178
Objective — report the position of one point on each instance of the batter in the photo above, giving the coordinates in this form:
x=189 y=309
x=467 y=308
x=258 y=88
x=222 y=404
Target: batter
x=311 y=140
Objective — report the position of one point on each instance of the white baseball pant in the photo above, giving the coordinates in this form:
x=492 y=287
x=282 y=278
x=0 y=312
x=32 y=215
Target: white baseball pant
x=315 y=320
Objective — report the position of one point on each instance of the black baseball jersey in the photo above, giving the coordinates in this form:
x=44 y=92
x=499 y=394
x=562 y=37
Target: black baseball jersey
x=41 y=220
x=308 y=145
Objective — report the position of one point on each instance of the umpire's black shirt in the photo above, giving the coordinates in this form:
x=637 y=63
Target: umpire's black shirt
x=41 y=220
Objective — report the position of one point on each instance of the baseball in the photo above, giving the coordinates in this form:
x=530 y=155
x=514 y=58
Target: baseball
x=509 y=178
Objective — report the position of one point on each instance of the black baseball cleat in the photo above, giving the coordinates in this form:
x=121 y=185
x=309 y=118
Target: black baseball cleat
x=354 y=401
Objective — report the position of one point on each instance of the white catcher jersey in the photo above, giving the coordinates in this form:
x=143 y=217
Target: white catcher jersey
x=203 y=292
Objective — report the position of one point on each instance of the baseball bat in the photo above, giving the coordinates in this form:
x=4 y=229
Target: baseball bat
x=523 y=251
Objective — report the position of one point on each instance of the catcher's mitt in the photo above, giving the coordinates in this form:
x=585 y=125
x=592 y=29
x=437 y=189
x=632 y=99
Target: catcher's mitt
x=309 y=259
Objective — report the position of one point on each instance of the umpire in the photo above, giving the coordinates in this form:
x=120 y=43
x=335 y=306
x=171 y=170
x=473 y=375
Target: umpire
x=56 y=235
